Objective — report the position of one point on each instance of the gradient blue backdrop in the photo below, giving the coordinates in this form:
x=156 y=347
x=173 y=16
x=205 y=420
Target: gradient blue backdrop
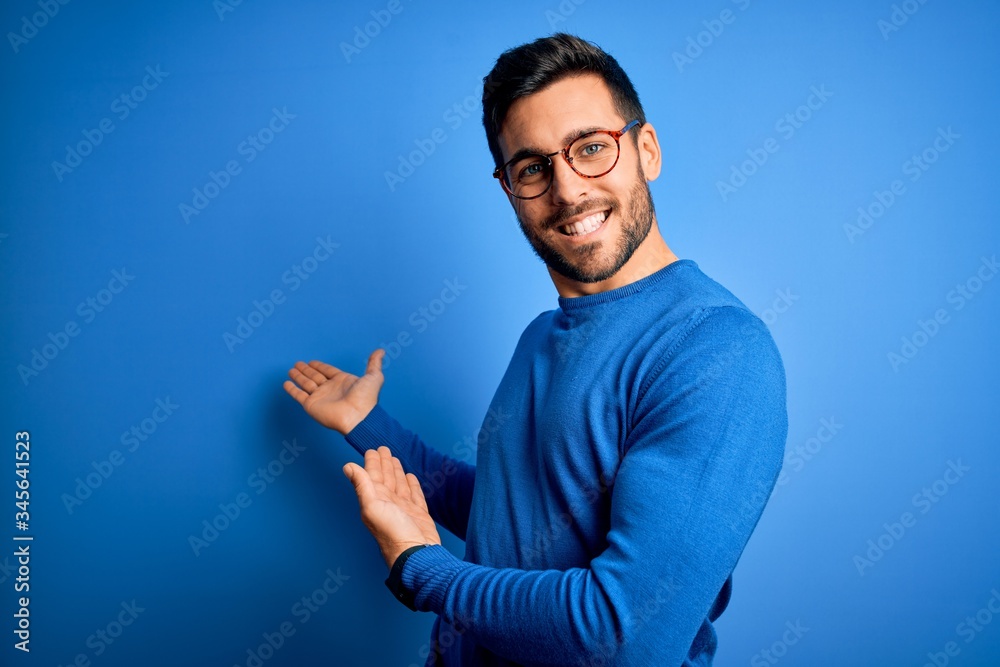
x=778 y=241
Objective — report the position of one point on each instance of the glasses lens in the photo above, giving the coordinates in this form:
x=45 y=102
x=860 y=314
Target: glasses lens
x=529 y=176
x=594 y=154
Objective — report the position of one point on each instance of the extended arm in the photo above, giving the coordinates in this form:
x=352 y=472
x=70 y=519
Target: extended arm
x=702 y=456
x=348 y=404
x=446 y=482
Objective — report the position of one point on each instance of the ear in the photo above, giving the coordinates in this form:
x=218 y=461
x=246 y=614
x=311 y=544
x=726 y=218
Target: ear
x=650 y=156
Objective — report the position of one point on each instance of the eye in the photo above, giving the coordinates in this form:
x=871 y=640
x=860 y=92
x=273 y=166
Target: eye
x=530 y=170
x=592 y=148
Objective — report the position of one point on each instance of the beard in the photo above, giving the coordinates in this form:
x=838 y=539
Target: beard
x=635 y=222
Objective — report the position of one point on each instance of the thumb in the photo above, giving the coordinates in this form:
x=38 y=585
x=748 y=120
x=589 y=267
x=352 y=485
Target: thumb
x=374 y=367
x=362 y=482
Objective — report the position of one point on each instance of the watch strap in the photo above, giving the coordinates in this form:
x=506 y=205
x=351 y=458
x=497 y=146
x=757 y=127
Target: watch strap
x=395 y=580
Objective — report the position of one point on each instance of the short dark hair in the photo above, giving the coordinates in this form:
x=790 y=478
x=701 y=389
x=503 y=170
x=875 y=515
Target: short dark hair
x=529 y=68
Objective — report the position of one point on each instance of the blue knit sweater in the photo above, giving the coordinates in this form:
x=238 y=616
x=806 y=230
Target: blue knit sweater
x=622 y=465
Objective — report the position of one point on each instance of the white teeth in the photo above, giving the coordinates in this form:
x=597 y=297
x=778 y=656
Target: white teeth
x=586 y=225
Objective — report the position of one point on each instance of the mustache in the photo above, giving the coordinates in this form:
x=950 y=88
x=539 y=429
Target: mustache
x=562 y=215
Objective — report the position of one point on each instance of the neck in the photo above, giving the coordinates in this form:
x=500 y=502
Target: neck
x=652 y=255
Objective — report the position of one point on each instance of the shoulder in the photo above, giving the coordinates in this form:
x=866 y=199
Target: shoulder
x=539 y=325
x=727 y=343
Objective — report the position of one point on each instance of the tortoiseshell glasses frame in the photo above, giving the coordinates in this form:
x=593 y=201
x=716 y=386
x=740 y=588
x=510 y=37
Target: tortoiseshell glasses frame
x=534 y=179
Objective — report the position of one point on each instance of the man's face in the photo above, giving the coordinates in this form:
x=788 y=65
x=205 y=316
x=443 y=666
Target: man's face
x=547 y=121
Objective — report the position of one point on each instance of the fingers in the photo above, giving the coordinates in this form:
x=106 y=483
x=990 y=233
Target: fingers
x=315 y=373
x=374 y=366
x=388 y=473
x=373 y=466
x=361 y=480
x=295 y=392
x=402 y=486
x=308 y=385
x=326 y=369
x=386 y=470
x=307 y=371
x=416 y=493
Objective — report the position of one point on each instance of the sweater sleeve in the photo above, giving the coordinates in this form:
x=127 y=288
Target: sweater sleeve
x=701 y=458
x=447 y=482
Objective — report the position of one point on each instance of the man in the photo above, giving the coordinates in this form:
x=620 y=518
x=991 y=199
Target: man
x=634 y=438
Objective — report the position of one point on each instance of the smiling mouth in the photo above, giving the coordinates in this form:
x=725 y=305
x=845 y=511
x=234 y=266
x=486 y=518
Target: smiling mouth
x=587 y=225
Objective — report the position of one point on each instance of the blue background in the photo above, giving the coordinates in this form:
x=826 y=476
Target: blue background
x=849 y=301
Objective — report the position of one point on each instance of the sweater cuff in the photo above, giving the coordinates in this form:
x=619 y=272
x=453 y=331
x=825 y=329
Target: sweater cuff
x=428 y=573
x=369 y=433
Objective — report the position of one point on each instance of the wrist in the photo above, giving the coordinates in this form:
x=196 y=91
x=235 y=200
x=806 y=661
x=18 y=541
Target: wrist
x=356 y=418
x=394 y=581
x=393 y=553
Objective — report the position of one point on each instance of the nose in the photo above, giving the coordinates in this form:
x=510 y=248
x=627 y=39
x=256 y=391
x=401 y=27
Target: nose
x=567 y=186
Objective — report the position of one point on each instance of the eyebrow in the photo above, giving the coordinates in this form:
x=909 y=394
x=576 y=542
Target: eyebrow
x=567 y=140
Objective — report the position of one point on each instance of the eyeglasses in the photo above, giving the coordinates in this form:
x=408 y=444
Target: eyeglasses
x=591 y=155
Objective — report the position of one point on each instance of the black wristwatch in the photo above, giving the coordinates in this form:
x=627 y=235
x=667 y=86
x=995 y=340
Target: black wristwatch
x=395 y=580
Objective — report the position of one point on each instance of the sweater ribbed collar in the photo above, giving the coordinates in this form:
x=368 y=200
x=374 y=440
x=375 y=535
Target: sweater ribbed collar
x=573 y=303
